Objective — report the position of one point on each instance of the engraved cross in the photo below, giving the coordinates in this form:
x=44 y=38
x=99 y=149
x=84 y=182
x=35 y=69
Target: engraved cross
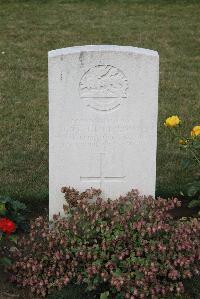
x=102 y=178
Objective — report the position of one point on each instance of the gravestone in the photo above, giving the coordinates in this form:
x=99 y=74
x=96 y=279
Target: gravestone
x=102 y=120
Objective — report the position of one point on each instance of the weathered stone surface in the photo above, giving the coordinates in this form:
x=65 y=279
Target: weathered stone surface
x=102 y=120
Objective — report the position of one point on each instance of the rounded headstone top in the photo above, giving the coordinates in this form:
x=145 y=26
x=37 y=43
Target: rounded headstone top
x=102 y=48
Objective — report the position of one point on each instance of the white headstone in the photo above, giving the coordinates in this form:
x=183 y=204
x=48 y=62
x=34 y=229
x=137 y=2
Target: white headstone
x=102 y=120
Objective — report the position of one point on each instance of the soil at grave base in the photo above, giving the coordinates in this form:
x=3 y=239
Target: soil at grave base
x=11 y=291
x=184 y=211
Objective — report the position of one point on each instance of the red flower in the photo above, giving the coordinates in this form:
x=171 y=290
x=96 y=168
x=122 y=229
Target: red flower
x=7 y=226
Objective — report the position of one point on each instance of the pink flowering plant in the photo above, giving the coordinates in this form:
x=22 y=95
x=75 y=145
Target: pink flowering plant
x=126 y=248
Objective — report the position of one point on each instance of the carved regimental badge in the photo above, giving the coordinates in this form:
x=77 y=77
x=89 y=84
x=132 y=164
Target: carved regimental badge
x=103 y=87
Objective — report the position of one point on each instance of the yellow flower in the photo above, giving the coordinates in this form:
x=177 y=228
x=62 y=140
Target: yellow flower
x=195 y=131
x=182 y=141
x=172 y=121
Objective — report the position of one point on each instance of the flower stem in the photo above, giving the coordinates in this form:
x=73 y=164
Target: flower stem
x=195 y=156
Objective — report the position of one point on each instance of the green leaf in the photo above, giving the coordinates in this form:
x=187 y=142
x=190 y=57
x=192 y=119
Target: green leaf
x=13 y=238
x=5 y=261
x=17 y=205
x=194 y=203
x=193 y=190
x=196 y=144
x=5 y=199
x=104 y=295
x=2 y=208
x=117 y=272
x=185 y=163
x=138 y=275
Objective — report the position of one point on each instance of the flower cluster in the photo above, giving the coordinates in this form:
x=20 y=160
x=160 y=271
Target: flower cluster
x=11 y=218
x=191 y=145
x=7 y=226
x=129 y=247
x=13 y=210
x=174 y=121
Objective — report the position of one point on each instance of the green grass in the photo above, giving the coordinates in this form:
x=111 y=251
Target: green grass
x=31 y=28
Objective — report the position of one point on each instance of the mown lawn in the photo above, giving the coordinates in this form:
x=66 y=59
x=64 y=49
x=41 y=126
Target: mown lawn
x=29 y=29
